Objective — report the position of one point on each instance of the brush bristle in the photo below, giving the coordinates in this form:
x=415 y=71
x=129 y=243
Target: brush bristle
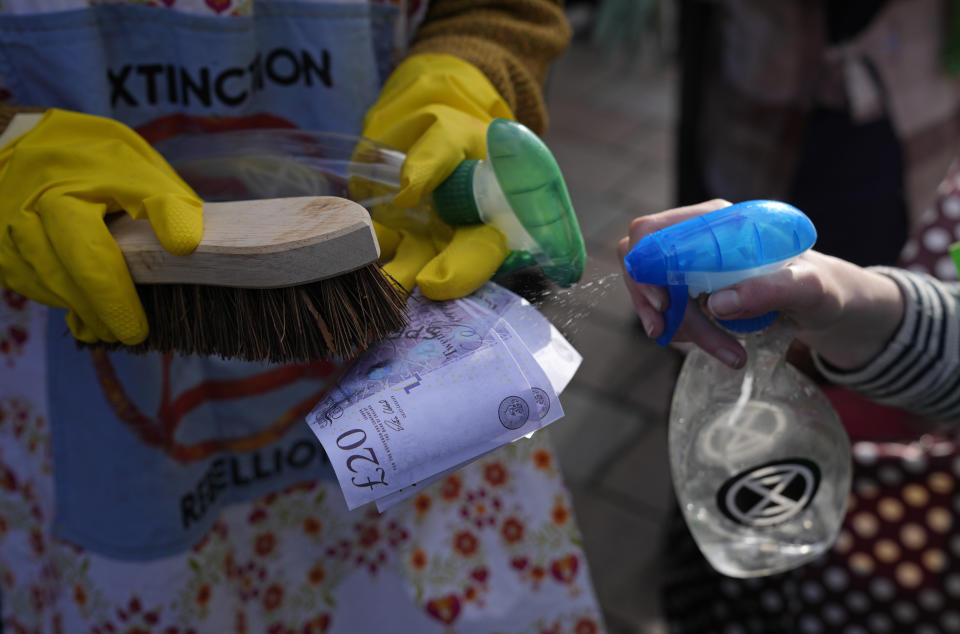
x=332 y=318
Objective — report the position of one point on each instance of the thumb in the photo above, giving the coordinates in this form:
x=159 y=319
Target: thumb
x=794 y=290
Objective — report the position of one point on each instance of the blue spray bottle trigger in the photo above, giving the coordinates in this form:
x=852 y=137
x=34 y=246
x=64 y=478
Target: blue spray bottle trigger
x=716 y=250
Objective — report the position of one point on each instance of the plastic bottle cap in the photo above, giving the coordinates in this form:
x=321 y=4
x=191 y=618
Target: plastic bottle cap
x=453 y=198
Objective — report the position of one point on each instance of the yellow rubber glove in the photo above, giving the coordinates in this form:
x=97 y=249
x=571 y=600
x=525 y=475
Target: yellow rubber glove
x=436 y=109
x=57 y=182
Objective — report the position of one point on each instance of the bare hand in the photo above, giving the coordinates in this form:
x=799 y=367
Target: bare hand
x=844 y=312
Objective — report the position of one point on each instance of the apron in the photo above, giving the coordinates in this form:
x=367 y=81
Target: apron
x=184 y=494
x=149 y=448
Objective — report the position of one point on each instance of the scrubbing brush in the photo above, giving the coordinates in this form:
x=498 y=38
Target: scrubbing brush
x=281 y=280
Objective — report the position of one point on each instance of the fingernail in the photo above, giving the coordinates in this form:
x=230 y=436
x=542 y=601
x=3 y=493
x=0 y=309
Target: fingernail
x=725 y=302
x=654 y=299
x=648 y=327
x=730 y=357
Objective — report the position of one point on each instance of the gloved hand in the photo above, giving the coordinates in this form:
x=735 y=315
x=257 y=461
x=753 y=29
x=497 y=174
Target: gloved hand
x=435 y=108
x=57 y=181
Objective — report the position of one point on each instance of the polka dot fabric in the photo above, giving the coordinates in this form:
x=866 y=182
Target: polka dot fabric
x=895 y=566
x=927 y=249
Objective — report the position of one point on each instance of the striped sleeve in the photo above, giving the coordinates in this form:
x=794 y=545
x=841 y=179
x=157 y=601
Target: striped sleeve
x=919 y=369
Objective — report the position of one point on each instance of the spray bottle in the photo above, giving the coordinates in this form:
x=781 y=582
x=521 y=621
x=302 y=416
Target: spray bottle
x=518 y=188
x=759 y=459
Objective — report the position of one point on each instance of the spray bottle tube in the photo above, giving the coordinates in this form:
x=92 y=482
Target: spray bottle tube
x=759 y=459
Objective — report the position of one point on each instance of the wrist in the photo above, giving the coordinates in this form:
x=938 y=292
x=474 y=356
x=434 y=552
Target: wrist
x=871 y=313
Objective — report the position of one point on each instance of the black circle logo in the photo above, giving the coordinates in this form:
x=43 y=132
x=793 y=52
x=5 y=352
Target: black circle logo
x=771 y=493
x=514 y=412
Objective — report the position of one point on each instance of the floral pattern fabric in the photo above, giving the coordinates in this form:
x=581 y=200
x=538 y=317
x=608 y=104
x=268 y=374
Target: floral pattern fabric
x=491 y=548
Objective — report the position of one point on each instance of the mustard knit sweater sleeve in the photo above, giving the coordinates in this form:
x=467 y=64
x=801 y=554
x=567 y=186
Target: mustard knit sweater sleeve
x=512 y=41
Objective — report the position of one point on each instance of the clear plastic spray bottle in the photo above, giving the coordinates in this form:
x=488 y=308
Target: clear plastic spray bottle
x=759 y=459
x=518 y=188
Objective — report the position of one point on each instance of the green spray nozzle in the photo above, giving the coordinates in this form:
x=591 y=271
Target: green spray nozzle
x=519 y=190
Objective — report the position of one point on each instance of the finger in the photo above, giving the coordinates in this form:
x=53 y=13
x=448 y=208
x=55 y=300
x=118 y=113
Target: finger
x=648 y=301
x=698 y=329
x=645 y=225
x=657 y=296
x=388 y=239
x=413 y=253
x=802 y=290
x=149 y=188
x=34 y=246
x=177 y=221
x=95 y=264
x=472 y=257
x=17 y=274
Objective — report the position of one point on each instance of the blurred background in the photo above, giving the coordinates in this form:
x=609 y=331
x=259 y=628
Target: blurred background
x=612 y=101
x=848 y=110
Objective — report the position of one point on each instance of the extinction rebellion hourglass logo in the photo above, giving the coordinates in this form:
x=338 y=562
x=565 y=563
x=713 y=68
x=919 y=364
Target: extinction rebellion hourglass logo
x=769 y=494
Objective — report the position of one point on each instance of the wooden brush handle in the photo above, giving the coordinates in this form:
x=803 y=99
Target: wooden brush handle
x=256 y=244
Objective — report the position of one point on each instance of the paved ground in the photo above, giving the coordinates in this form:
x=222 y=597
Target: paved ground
x=612 y=133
